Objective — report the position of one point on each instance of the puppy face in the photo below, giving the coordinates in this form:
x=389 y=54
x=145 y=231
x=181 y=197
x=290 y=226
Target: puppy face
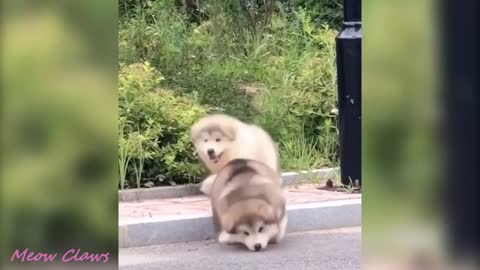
x=212 y=144
x=256 y=236
x=253 y=228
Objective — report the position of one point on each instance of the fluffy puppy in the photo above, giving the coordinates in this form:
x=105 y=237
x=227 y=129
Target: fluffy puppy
x=220 y=138
x=248 y=204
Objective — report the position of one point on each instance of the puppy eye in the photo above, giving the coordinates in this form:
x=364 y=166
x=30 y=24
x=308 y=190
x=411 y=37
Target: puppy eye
x=260 y=229
x=246 y=233
x=218 y=139
x=205 y=140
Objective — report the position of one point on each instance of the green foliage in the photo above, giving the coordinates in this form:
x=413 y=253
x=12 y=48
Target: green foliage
x=154 y=129
x=278 y=72
x=322 y=11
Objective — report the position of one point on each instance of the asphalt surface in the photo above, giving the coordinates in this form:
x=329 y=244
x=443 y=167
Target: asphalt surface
x=315 y=250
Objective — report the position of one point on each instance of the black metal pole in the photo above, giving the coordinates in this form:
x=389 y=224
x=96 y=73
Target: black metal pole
x=349 y=64
x=461 y=83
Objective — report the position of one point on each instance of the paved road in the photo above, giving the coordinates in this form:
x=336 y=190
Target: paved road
x=315 y=250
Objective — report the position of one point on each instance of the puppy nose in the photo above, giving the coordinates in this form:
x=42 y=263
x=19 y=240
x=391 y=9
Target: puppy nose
x=257 y=247
x=210 y=151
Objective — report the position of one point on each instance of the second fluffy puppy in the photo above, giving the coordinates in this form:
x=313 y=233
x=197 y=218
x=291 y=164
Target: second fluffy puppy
x=248 y=204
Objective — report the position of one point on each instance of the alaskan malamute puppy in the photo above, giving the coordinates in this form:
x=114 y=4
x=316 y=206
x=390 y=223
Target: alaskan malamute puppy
x=248 y=204
x=219 y=138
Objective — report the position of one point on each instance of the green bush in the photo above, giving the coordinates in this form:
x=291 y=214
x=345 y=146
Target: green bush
x=280 y=75
x=322 y=11
x=298 y=105
x=215 y=91
x=154 y=130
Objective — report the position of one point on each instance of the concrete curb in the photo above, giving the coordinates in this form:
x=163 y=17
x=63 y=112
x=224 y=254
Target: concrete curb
x=301 y=217
x=289 y=178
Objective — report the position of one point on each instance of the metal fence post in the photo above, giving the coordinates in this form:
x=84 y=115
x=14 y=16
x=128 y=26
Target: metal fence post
x=349 y=63
x=461 y=94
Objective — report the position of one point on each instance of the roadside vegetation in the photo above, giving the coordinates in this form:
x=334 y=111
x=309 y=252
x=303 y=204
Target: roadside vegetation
x=266 y=62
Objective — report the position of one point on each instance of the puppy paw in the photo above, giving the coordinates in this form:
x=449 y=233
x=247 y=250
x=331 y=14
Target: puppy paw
x=205 y=189
x=276 y=239
x=281 y=232
x=229 y=239
x=207 y=184
x=280 y=235
x=224 y=238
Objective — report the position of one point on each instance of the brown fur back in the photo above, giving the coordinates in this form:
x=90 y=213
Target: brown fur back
x=245 y=190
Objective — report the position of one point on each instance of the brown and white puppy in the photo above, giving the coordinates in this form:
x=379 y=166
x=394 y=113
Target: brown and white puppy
x=220 y=138
x=248 y=204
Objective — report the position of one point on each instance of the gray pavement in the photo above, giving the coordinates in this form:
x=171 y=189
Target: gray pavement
x=313 y=250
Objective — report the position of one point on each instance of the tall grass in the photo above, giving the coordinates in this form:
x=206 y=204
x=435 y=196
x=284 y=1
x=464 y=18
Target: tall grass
x=289 y=63
x=123 y=155
x=303 y=153
x=299 y=153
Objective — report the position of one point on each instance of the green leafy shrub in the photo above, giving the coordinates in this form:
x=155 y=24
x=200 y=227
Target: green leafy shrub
x=298 y=106
x=281 y=77
x=216 y=91
x=154 y=132
x=322 y=11
x=143 y=36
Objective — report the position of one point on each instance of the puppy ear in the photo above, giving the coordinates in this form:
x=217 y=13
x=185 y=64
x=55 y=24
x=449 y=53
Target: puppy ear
x=194 y=132
x=192 y=138
x=280 y=209
x=279 y=213
x=230 y=132
x=267 y=212
x=272 y=213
